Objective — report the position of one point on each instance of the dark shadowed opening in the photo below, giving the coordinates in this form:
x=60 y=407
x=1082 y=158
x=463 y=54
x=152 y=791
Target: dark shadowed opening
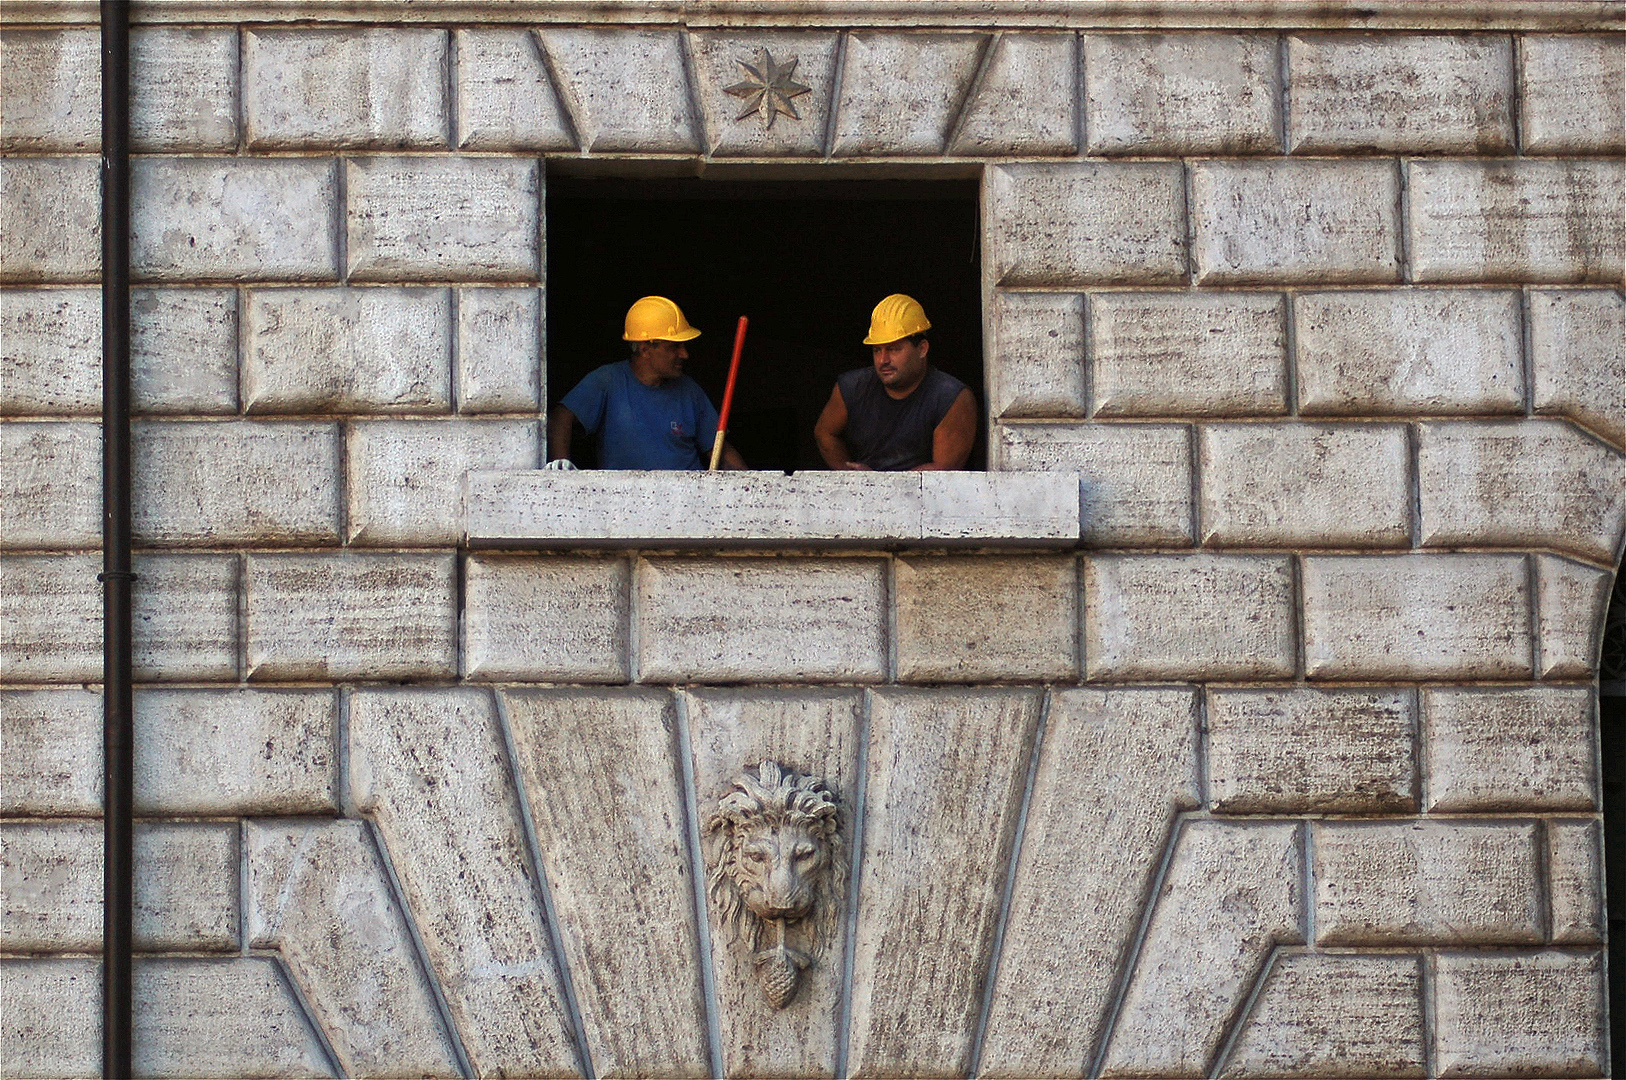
x=1612 y=734
x=804 y=260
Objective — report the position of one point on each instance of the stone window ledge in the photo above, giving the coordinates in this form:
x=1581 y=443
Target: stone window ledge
x=547 y=509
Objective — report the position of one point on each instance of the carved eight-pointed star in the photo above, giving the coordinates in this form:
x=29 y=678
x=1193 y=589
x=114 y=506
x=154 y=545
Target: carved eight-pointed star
x=768 y=89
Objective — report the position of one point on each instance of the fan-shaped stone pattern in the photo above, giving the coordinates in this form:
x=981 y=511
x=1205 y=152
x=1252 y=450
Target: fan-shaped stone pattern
x=505 y=100
x=814 y=732
x=431 y=768
x=231 y=1017
x=1027 y=100
x=732 y=133
x=599 y=769
x=901 y=93
x=319 y=894
x=627 y=90
x=1082 y=876
x=944 y=790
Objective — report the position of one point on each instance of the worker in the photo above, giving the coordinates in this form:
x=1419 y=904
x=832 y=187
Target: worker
x=899 y=413
x=652 y=416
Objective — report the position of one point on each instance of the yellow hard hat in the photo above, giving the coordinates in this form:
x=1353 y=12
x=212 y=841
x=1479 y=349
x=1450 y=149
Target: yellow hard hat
x=655 y=318
x=895 y=318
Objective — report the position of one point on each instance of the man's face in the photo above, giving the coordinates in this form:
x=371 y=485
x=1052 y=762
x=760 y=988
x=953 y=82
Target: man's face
x=900 y=364
x=666 y=358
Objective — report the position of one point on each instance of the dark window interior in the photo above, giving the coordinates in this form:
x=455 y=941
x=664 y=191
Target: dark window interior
x=805 y=261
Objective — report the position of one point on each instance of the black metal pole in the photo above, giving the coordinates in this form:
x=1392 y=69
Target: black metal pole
x=118 y=758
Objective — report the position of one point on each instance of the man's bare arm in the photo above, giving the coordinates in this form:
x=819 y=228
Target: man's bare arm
x=561 y=421
x=731 y=457
x=827 y=433
x=953 y=436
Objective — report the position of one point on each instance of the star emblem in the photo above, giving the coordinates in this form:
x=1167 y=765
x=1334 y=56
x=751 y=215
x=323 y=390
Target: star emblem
x=768 y=89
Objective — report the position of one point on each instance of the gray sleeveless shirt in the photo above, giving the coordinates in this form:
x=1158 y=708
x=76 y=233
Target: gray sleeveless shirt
x=887 y=434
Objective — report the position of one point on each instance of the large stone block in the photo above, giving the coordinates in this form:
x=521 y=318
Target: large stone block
x=234 y=219
x=405 y=477
x=351 y=616
x=51 y=488
x=231 y=751
x=1531 y=749
x=1302 y=750
x=1204 y=93
x=1426 y=883
x=185 y=617
x=52 y=1023
x=1520 y=1014
x=546 y=619
x=1575 y=881
x=1071 y=919
x=1416 y=617
x=1417 y=93
x=1085 y=223
x=1409 y=351
x=734 y=125
x=499 y=351
x=465 y=219
x=788 y=620
x=627 y=90
x=1524 y=220
x=373 y=87
x=1304 y=485
x=50 y=90
x=879 y=113
x=186 y=877
x=1578 y=357
x=1519 y=483
x=1330 y=1015
x=505 y=100
x=237 y=482
x=1134 y=479
x=53 y=760
x=1026 y=102
x=1574 y=93
x=50 y=352
x=1038 y=364
x=1188 y=616
x=1230 y=893
x=1295 y=221
x=942 y=797
x=1571 y=600
x=226 y=1017
x=183 y=88
x=1188 y=354
x=183 y=350
x=986 y=618
x=50 y=220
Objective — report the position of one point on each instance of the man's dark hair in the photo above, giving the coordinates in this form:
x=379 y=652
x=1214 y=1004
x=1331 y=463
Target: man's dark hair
x=918 y=338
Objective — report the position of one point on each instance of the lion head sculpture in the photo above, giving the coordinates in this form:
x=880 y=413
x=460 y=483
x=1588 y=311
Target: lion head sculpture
x=776 y=865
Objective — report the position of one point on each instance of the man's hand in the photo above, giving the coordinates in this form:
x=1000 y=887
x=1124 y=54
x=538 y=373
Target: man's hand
x=857 y=466
x=562 y=464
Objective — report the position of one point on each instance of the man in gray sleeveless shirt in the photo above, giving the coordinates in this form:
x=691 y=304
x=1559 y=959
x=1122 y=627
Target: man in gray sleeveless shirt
x=900 y=413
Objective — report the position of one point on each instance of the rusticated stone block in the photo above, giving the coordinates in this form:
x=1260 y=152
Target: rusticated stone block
x=405 y=477
x=942 y=797
x=1188 y=354
x=1420 y=93
x=1204 y=93
x=1531 y=749
x=1570 y=606
x=50 y=90
x=52 y=1023
x=1334 y=1016
x=1523 y=482
x=183 y=88
x=1071 y=919
x=237 y=482
x=1085 y=223
x=499 y=350
x=1230 y=894
x=470 y=219
x=1304 y=485
x=1295 y=221
x=546 y=619
x=879 y=113
x=627 y=90
x=185 y=617
x=976 y=618
x=234 y=219
x=183 y=350
x=53 y=760
x=1027 y=101
x=230 y=751
x=51 y=488
x=1038 y=364
x=1520 y=1014
x=1426 y=883
x=1134 y=479
x=1303 y=750
x=1574 y=93
x=347 y=350
x=1575 y=880
x=1416 y=617
x=50 y=220
x=1188 y=616
x=50 y=351
x=718 y=59
x=978 y=509
x=374 y=87
x=1578 y=357
x=504 y=98
x=790 y=620
x=1525 y=220
x=1409 y=351
x=225 y=1017
x=346 y=616
x=186 y=876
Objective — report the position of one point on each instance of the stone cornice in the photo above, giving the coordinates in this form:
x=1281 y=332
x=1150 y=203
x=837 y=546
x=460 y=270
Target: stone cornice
x=1534 y=15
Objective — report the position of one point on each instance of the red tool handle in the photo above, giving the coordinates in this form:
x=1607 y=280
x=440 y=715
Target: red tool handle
x=728 y=393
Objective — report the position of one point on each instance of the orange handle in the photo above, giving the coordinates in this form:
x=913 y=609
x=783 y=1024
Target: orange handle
x=728 y=394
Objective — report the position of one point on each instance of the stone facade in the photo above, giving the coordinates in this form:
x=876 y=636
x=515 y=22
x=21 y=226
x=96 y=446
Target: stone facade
x=1288 y=768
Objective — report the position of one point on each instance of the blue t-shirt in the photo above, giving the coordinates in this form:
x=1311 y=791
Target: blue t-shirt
x=645 y=427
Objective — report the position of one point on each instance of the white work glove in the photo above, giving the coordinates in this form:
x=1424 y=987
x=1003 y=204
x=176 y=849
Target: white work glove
x=561 y=464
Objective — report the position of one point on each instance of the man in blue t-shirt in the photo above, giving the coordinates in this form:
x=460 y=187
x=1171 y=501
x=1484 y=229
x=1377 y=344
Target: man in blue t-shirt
x=652 y=416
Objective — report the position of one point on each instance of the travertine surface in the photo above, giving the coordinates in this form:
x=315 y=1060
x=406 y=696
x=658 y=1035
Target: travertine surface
x=1180 y=93
x=1500 y=1015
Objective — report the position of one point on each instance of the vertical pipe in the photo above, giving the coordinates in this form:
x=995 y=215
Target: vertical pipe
x=117 y=651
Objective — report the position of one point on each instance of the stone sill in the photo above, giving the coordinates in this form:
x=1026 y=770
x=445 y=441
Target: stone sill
x=597 y=509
